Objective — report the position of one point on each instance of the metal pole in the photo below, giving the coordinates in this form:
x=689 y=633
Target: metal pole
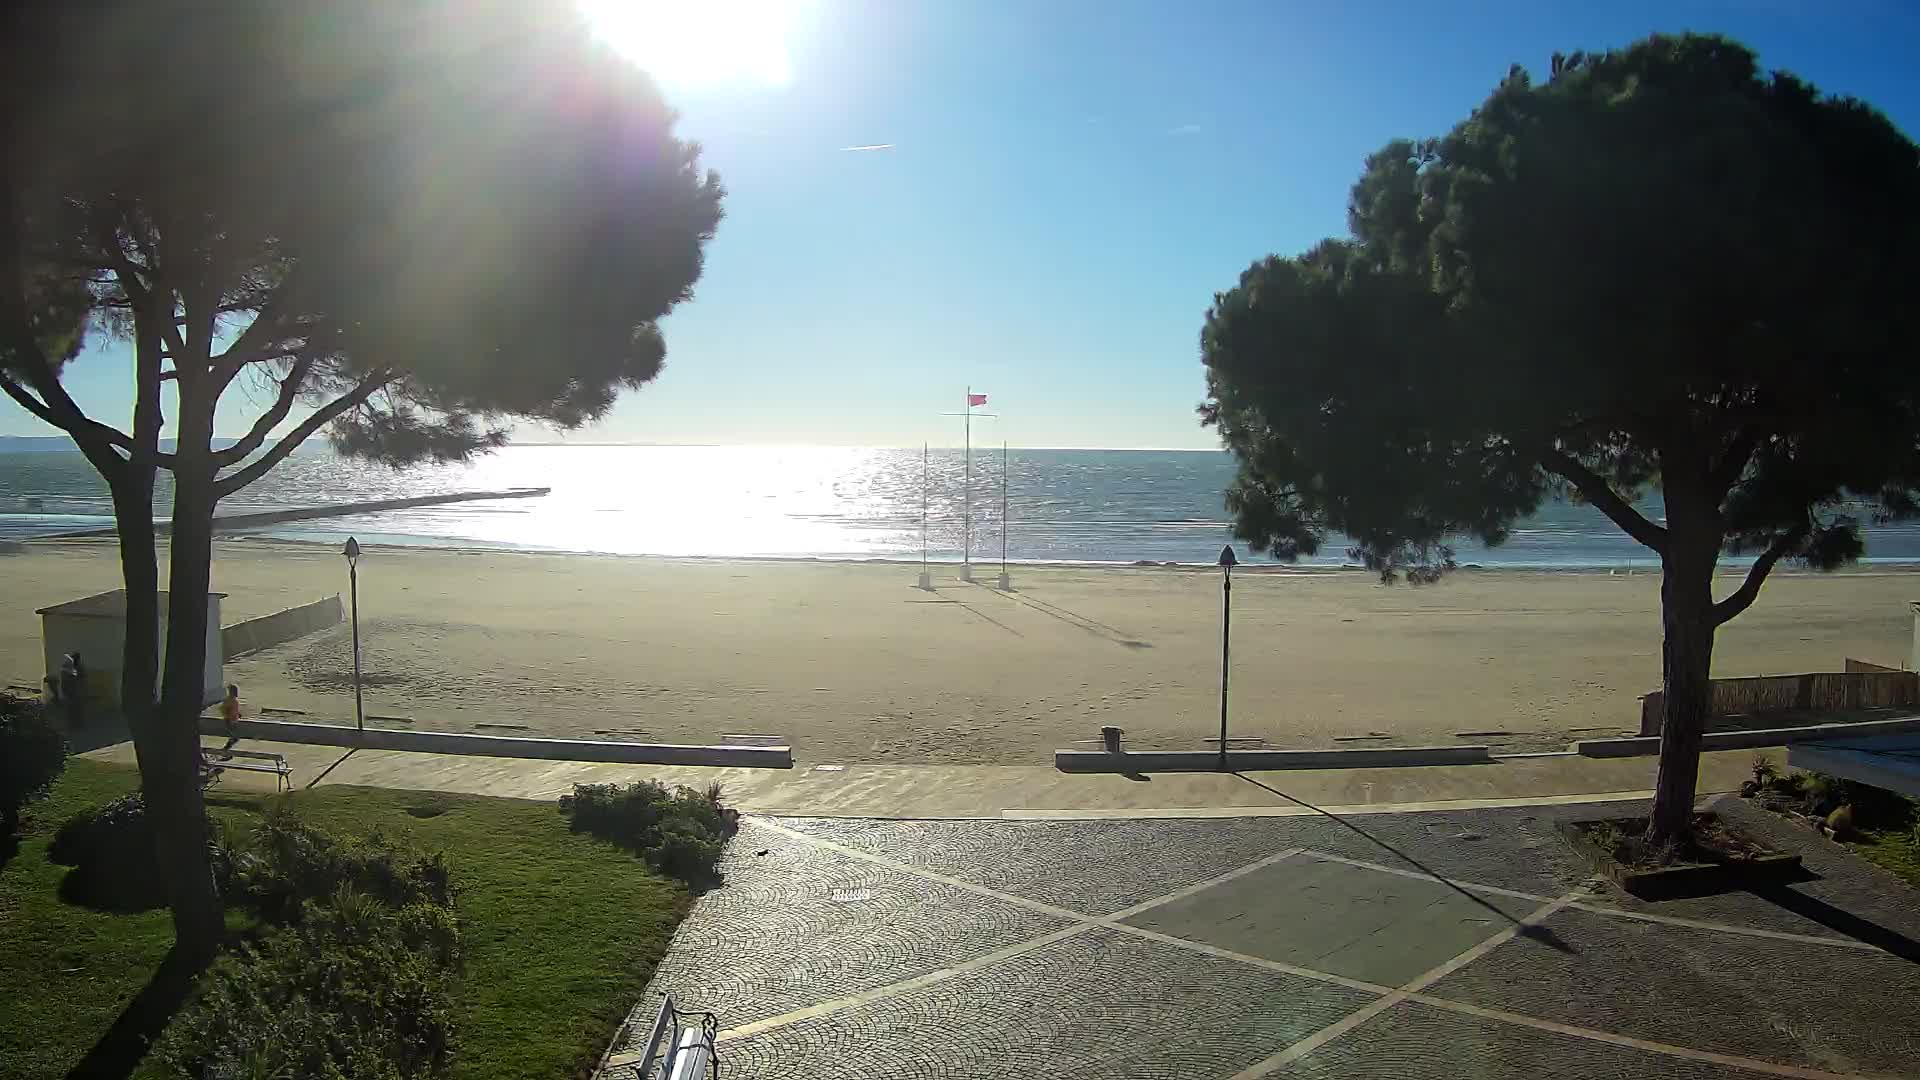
x=966 y=498
x=926 y=576
x=1003 y=510
x=1226 y=644
x=353 y=588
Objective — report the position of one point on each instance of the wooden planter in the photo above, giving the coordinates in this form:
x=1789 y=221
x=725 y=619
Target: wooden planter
x=1680 y=879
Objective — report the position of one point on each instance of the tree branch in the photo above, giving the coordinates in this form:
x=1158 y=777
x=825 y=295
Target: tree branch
x=72 y=422
x=255 y=338
x=1734 y=461
x=94 y=438
x=1601 y=494
x=320 y=418
x=28 y=402
x=1742 y=598
x=282 y=405
x=142 y=294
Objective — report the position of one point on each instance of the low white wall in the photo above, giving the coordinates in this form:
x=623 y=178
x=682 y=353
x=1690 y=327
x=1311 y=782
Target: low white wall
x=1146 y=761
x=284 y=625
x=448 y=742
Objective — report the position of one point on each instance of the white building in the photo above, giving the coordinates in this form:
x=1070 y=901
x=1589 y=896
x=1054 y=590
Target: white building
x=96 y=628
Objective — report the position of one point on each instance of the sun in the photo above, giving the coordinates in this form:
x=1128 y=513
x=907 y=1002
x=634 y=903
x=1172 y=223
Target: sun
x=700 y=42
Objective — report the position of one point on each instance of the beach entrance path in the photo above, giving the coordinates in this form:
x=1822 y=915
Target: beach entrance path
x=1409 y=945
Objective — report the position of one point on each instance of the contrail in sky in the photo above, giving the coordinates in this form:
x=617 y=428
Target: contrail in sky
x=869 y=146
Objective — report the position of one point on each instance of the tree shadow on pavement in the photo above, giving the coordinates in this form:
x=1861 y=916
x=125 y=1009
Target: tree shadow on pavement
x=1533 y=931
x=123 y=1046
x=1833 y=918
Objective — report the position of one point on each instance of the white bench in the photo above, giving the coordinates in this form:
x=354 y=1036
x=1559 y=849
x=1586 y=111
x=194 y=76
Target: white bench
x=212 y=764
x=679 y=1047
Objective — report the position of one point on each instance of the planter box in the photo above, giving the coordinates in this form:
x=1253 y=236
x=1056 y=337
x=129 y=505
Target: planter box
x=1679 y=879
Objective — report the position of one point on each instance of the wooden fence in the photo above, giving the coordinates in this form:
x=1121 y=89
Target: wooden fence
x=1823 y=691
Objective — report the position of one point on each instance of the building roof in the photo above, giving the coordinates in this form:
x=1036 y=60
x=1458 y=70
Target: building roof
x=1883 y=761
x=106 y=605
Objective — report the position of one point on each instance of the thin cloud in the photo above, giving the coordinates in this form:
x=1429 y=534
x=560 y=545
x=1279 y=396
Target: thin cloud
x=867 y=148
x=1185 y=129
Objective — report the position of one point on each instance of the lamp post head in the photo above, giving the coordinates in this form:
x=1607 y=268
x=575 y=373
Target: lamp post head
x=352 y=551
x=1227 y=560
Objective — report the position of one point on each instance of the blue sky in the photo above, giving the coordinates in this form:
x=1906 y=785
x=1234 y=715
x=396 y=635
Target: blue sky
x=1068 y=184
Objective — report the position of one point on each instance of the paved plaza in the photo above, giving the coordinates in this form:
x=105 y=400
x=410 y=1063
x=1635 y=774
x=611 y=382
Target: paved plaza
x=1409 y=945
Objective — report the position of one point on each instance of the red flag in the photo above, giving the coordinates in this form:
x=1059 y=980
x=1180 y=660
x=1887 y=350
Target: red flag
x=976 y=399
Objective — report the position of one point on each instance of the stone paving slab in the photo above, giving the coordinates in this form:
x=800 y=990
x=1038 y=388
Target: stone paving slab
x=1096 y=1006
x=1329 y=916
x=851 y=960
x=1095 y=867
x=1817 y=1006
x=1412 y=1041
x=801 y=924
x=1510 y=849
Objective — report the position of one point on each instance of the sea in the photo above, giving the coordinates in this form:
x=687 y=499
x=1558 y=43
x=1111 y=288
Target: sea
x=807 y=502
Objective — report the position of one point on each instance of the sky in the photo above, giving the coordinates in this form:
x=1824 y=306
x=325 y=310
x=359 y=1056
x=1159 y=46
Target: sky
x=1038 y=199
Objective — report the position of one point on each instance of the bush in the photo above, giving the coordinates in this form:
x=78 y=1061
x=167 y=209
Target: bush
x=111 y=851
x=354 y=990
x=288 y=863
x=114 y=864
x=679 y=832
x=1840 y=822
x=33 y=753
x=1871 y=807
x=356 y=980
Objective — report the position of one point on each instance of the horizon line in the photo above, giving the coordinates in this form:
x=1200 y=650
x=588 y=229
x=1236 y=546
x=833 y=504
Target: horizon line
x=867 y=446
x=984 y=447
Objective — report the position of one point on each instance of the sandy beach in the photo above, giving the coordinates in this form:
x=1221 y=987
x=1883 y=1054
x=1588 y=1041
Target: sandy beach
x=853 y=664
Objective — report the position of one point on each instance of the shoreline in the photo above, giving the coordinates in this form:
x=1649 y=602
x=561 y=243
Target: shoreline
x=1867 y=567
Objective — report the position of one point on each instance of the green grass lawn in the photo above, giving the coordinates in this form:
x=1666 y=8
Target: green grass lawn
x=1893 y=850
x=67 y=971
x=560 y=931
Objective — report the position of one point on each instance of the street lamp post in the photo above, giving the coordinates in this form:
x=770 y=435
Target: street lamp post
x=353 y=589
x=1226 y=641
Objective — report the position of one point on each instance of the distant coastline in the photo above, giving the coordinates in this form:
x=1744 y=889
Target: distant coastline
x=47 y=444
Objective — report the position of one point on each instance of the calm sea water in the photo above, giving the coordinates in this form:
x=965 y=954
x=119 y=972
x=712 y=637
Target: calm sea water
x=1116 y=506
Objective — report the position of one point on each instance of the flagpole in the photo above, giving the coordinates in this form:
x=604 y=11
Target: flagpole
x=926 y=576
x=966 y=498
x=1006 y=582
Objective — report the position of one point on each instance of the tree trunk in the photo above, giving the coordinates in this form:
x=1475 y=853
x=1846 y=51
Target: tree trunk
x=179 y=814
x=1686 y=612
x=140 y=576
x=139 y=563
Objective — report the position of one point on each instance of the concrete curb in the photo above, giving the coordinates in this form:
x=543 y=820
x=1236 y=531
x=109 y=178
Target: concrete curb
x=1741 y=740
x=442 y=742
x=1147 y=761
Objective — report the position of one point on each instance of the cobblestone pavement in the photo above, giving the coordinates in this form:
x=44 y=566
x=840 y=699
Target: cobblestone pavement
x=1405 y=946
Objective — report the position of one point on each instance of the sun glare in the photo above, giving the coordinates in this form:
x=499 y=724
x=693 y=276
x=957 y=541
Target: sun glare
x=700 y=42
